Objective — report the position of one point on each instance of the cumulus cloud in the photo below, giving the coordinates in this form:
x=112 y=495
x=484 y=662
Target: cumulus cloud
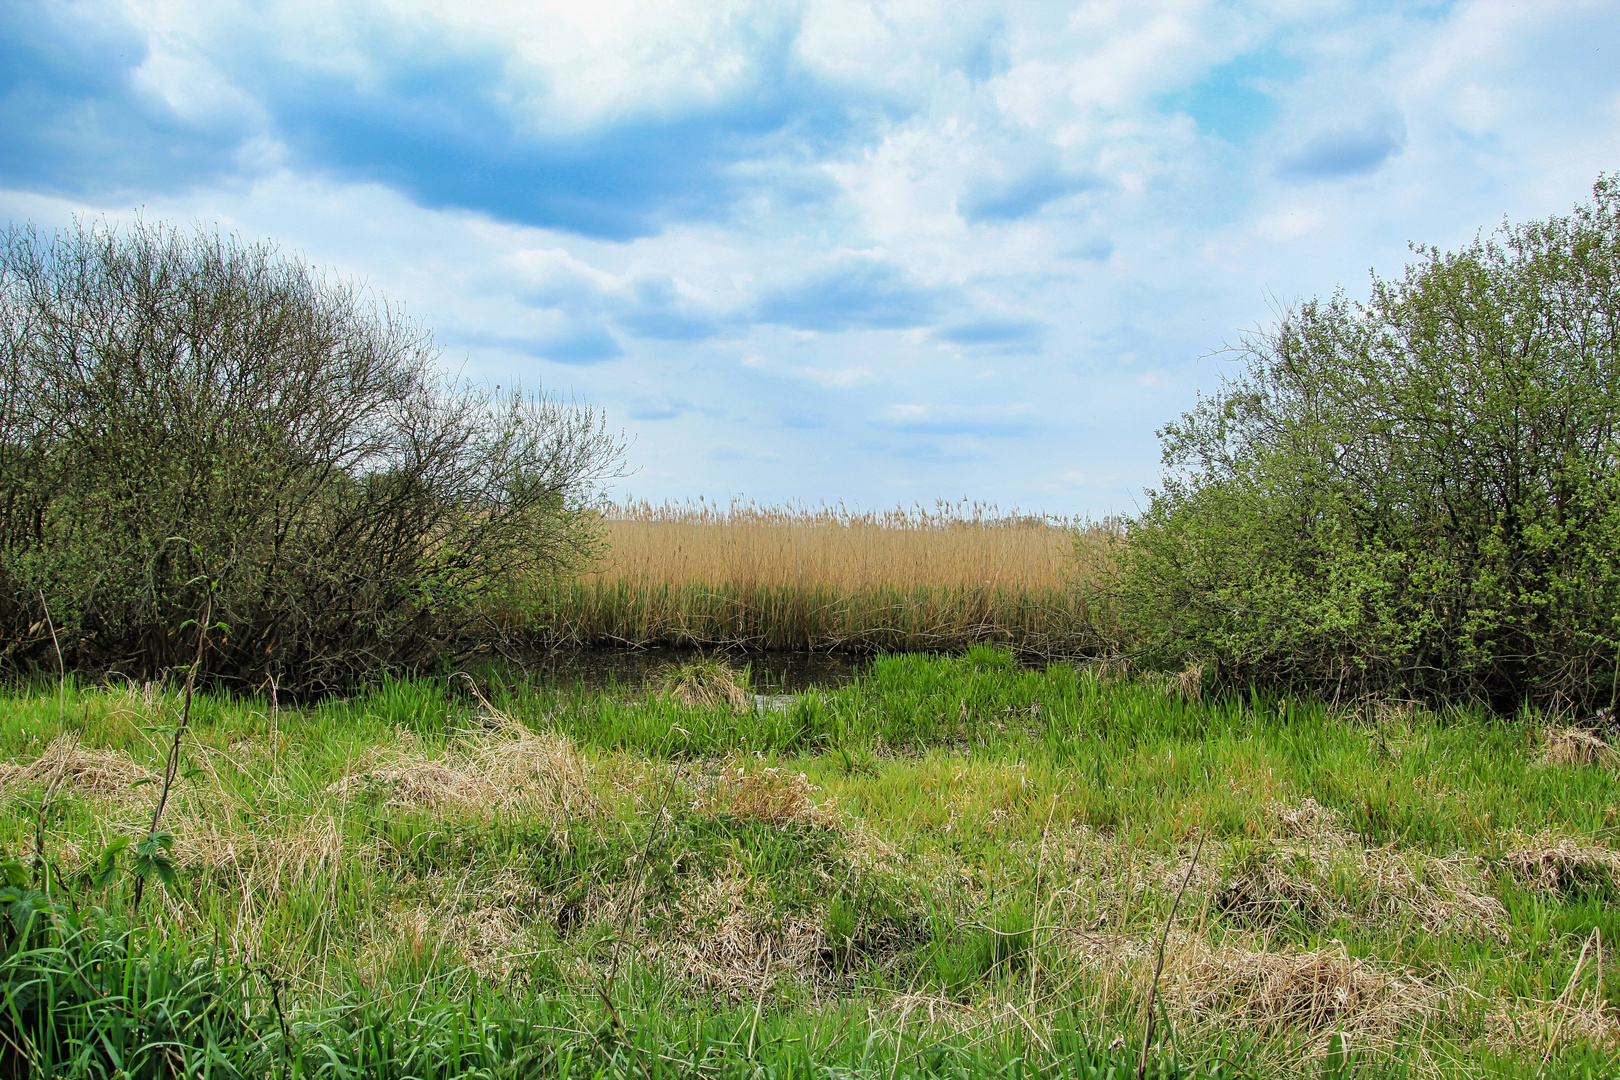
x=1026 y=193
x=831 y=249
x=1351 y=150
x=853 y=292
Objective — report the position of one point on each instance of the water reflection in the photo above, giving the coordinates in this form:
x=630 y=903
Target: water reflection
x=634 y=669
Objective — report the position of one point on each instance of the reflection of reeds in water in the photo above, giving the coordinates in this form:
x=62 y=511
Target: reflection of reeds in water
x=826 y=577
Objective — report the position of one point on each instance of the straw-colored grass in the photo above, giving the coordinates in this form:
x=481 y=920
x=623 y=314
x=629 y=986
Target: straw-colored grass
x=833 y=548
x=827 y=577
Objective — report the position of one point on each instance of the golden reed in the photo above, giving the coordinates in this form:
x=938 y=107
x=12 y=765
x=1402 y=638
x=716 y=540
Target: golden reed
x=829 y=578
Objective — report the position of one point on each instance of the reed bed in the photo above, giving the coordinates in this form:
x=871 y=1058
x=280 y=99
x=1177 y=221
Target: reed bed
x=826 y=577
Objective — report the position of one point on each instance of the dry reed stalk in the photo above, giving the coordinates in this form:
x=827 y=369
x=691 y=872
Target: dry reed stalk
x=834 y=548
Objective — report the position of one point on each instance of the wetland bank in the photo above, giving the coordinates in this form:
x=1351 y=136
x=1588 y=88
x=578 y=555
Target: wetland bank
x=1305 y=770
x=947 y=865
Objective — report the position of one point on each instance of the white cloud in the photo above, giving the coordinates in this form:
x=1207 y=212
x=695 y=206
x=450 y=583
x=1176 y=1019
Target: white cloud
x=880 y=202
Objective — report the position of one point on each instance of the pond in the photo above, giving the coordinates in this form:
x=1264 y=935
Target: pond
x=633 y=669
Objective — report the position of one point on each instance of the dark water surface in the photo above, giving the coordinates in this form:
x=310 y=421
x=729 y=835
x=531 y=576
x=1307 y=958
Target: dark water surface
x=633 y=669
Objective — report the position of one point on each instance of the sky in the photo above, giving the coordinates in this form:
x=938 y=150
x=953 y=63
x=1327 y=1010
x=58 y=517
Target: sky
x=883 y=253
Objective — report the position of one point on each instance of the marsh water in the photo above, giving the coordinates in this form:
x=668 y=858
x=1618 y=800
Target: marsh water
x=633 y=669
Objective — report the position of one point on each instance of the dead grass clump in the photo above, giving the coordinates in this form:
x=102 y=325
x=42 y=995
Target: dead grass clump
x=310 y=848
x=72 y=767
x=1578 y=747
x=766 y=795
x=1544 y=1026
x=1320 y=872
x=1267 y=890
x=1578 y=1015
x=733 y=943
x=522 y=772
x=1311 y=821
x=1562 y=865
x=1323 y=991
x=706 y=682
x=494 y=942
x=1185 y=685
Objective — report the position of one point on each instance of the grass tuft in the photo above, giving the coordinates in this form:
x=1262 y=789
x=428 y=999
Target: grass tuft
x=705 y=683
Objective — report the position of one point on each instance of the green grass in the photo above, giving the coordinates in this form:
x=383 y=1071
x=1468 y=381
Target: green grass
x=950 y=867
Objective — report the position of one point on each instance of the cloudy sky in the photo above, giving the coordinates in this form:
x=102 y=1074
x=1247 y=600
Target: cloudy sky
x=879 y=252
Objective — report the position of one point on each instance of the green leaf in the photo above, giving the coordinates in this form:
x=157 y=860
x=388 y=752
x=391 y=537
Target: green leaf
x=26 y=905
x=152 y=857
x=105 y=868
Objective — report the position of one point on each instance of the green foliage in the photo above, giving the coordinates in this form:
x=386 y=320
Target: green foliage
x=180 y=412
x=1417 y=493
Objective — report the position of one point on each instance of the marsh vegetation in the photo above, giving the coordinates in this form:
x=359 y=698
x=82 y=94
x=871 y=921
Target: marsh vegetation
x=1308 y=770
x=946 y=867
x=833 y=579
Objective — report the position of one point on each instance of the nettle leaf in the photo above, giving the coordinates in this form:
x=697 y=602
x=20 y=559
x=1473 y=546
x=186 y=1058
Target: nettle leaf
x=25 y=906
x=14 y=872
x=105 y=868
x=152 y=857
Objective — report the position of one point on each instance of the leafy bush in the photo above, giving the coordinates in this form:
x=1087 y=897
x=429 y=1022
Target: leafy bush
x=181 y=412
x=1419 y=492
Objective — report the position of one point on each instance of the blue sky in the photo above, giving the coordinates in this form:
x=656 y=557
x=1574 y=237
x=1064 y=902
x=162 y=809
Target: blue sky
x=829 y=250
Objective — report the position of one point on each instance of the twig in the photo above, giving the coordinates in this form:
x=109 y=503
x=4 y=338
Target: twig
x=1561 y=1003
x=1158 y=965
x=173 y=763
x=61 y=668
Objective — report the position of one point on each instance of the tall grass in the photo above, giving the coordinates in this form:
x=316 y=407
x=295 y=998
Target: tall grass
x=830 y=578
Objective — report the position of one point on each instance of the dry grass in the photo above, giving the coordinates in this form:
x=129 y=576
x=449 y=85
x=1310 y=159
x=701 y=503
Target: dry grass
x=1322 y=991
x=512 y=771
x=705 y=683
x=71 y=767
x=749 y=791
x=1318 y=871
x=1578 y=1015
x=831 y=547
x=1576 y=746
x=1562 y=865
x=731 y=942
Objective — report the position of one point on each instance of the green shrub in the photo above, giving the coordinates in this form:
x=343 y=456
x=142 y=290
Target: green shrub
x=1418 y=493
x=183 y=412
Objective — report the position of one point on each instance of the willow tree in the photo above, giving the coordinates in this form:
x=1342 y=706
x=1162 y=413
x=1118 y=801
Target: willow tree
x=1416 y=493
x=184 y=414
